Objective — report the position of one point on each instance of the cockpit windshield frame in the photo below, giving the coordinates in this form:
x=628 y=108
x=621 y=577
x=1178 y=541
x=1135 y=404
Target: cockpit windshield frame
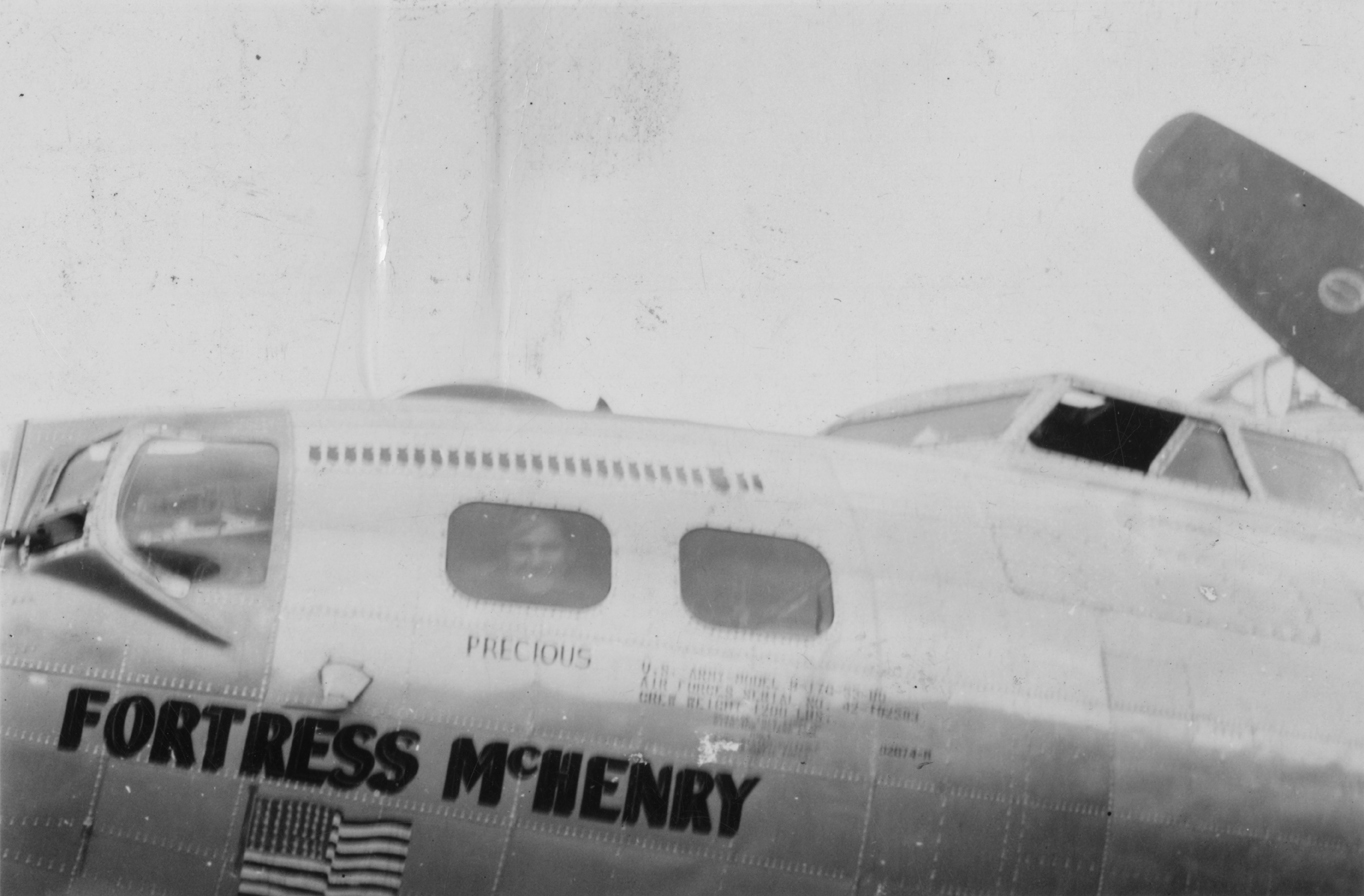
x=1219 y=466
x=97 y=553
x=1246 y=484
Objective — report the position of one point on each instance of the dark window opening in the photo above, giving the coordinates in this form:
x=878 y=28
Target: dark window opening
x=1107 y=430
x=528 y=555
x=56 y=531
x=755 y=583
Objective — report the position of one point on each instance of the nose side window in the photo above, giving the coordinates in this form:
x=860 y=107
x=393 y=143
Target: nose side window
x=202 y=510
x=756 y=583
x=528 y=555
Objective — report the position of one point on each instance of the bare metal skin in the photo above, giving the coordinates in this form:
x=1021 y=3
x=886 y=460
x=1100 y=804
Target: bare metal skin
x=967 y=642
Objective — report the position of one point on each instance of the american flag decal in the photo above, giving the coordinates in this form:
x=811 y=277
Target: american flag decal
x=298 y=847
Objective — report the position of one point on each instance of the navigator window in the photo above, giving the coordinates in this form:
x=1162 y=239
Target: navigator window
x=754 y=582
x=528 y=555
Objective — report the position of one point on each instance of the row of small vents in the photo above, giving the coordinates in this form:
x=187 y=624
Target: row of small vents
x=716 y=478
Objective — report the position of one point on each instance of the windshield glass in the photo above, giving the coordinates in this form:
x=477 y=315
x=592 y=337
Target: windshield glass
x=1305 y=473
x=971 y=422
x=1200 y=453
x=82 y=475
x=202 y=510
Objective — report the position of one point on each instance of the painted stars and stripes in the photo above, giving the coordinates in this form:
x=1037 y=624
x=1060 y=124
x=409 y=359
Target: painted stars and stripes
x=302 y=848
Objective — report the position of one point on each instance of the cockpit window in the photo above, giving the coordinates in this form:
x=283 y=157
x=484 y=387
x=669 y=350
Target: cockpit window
x=62 y=519
x=202 y=510
x=1161 y=443
x=755 y=583
x=1200 y=453
x=81 y=475
x=1305 y=473
x=528 y=555
x=971 y=422
x=1108 y=430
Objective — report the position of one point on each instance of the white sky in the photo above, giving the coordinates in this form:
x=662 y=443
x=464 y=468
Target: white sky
x=758 y=215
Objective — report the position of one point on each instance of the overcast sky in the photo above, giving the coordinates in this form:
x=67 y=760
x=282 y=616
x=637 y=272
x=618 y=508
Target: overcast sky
x=760 y=215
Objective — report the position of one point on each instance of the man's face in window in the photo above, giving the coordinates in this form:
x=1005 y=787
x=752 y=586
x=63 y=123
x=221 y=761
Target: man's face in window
x=537 y=554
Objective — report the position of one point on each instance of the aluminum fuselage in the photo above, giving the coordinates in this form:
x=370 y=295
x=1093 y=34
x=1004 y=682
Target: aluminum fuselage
x=1042 y=675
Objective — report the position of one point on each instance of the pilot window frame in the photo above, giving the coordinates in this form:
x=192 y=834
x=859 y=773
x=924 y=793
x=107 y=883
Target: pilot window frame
x=54 y=500
x=477 y=574
x=51 y=519
x=1182 y=426
x=693 y=594
x=1174 y=451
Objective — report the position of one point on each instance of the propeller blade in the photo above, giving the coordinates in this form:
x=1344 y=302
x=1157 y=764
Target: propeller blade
x=1288 y=247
